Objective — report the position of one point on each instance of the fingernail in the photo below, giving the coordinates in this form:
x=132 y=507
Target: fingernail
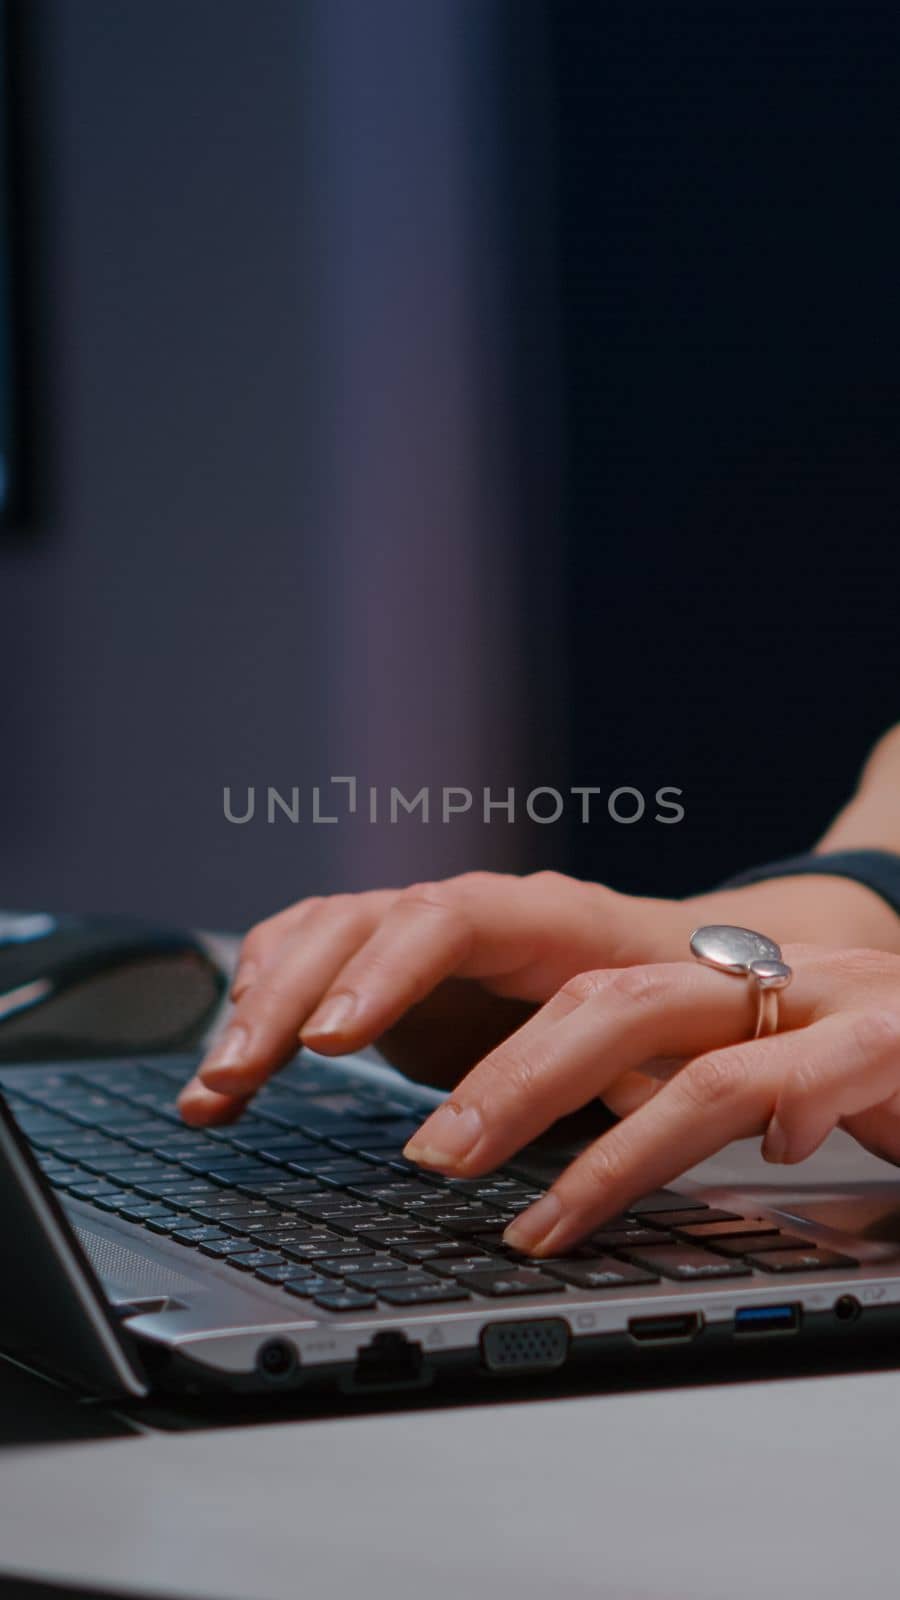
x=533 y=1226
x=200 y=1105
x=450 y=1134
x=228 y=1051
x=191 y=1091
x=245 y=975
x=775 y=1144
x=333 y=1016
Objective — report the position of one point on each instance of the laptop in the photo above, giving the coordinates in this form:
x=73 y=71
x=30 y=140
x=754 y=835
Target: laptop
x=297 y=1249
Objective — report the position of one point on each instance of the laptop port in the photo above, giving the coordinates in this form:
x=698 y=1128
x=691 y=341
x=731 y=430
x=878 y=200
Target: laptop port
x=536 y=1344
x=676 y=1329
x=391 y=1361
x=757 y=1322
x=276 y=1358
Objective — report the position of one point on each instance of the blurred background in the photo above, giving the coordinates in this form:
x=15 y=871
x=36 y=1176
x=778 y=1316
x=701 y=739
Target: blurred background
x=440 y=392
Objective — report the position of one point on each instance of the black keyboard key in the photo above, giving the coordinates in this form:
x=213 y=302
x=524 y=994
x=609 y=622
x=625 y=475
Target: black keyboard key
x=325 y=1251
x=251 y=1260
x=236 y=1210
x=306 y=1286
x=422 y=1294
x=664 y=1200
x=186 y=1189
x=277 y=1192
x=244 y=1180
x=809 y=1259
x=389 y=1280
x=91 y=1188
x=127 y=1171
x=166 y=1224
x=149 y=1187
x=687 y=1219
x=445 y=1210
x=278 y=1275
x=398 y=1237
x=687 y=1263
x=463 y=1263
x=114 y=1200
x=621 y=1238
x=601 y=1273
x=344 y=1300
x=344 y=1206
x=758 y=1243
x=737 y=1227
x=192 y=1237
x=495 y=1187
x=219 y=1249
x=355 y=1266
x=342 y=1250
x=274 y=1238
x=132 y=1209
x=504 y=1285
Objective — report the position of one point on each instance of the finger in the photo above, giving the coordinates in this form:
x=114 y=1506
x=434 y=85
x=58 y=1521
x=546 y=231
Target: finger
x=264 y=941
x=629 y=1092
x=855 y=1066
x=200 y=1106
x=262 y=1031
x=878 y=1129
x=521 y=937
x=625 y=1018
x=722 y=1095
x=468 y=927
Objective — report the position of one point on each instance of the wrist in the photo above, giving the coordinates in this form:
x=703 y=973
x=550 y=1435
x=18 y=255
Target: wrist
x=807 y=909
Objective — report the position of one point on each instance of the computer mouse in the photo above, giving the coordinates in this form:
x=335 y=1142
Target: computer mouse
x=81 y=987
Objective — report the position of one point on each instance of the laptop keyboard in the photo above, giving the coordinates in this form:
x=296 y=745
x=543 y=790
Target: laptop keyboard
x=310 y=1192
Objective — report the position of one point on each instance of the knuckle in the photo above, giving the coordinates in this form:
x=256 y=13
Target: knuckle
x=507 y=1072
x=875 y=1033
x=638 y=986
x=476 y=882
x=862 y=966
x=803 y=1083
x=432 y=897
x=711 y=1079
x=337 y=906
x=440 y=901
x=271 y=988
x=553 y=882
x=584 y=985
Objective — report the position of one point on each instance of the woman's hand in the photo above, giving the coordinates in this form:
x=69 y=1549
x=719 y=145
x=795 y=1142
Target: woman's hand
x=439 y=974
x=836 y=1061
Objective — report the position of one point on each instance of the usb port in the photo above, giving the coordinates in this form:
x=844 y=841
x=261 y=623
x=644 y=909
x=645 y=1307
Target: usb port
x=754 y=1322
x=666 y=1330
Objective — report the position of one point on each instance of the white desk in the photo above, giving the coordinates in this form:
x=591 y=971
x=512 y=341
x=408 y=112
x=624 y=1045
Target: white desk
x=786 y=1489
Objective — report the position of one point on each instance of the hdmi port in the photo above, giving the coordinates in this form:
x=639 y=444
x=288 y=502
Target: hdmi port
x=666 y=1330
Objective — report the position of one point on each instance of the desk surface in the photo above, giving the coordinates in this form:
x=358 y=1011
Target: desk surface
x=708 y=1493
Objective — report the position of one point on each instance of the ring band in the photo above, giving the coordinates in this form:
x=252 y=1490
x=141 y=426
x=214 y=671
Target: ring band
x=742 y=953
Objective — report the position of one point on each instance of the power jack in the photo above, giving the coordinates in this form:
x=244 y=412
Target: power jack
x=847 y=1308
x=277 y=1358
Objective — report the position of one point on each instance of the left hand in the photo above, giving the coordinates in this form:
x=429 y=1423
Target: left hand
x=834 y=1062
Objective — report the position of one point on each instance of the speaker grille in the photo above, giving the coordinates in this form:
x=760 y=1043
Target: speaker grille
x=126 y=1269
x=538 y=1345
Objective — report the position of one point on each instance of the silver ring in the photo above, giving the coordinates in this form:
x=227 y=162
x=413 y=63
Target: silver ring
x=745 y=954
